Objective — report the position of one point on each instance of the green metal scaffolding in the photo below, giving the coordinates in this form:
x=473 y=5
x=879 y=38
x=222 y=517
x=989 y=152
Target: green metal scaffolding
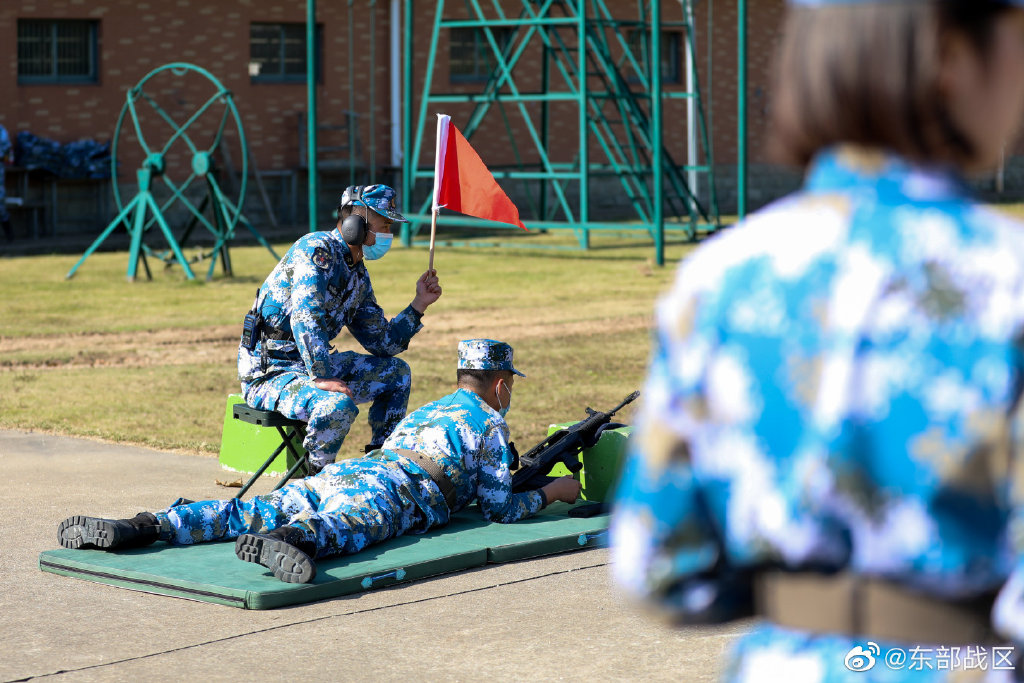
x=618 y=96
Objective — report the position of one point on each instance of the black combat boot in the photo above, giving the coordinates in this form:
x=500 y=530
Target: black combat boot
x=109 y=534
x=370 y=447
x=284 y=551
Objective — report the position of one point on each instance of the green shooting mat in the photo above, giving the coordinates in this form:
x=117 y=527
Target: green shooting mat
x=210 y=572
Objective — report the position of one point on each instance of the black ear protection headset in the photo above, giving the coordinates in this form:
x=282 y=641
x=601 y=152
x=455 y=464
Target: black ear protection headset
x=353 y=227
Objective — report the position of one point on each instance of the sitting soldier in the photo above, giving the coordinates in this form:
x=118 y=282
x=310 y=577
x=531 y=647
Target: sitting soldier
x=436 y=462
x=321 y=286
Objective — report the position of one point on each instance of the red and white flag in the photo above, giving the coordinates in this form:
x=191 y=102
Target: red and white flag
x=462 y=182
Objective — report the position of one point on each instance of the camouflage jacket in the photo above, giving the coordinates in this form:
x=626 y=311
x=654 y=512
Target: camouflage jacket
x=836 y=383
x=316 y=290
x=469 y=440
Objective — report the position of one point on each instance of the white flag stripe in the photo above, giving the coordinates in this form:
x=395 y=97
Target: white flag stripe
x=443 y=123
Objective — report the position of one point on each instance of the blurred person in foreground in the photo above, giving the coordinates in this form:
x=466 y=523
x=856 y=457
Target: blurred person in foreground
x=831 y=437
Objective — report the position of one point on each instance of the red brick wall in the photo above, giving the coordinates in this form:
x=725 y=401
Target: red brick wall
x=764 y=21
x=136 y=37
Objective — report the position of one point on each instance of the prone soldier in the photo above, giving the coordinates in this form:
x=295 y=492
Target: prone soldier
x=437 y=461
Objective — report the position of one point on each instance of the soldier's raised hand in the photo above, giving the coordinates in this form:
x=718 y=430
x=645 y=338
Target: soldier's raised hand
x=428 y=290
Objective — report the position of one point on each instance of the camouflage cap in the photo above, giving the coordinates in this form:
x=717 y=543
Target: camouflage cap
x=485 y=354
x=380 y=198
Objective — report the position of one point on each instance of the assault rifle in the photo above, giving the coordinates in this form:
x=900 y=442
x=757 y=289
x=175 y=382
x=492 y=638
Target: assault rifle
x=564 y=446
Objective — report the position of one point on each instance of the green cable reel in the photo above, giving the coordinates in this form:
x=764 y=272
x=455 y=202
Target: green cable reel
x=160 y=169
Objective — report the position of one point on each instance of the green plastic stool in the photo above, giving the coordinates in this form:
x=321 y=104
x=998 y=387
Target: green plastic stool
x=248 y=430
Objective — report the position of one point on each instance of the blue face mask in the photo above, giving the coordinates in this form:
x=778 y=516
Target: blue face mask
x=372 y=252
x=503 y=409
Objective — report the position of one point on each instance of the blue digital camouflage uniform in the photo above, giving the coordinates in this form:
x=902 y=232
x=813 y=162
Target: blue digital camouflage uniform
x=836 y=382
x=316 y=290
x=354 y=503
x=5 y=149
x=469 y=440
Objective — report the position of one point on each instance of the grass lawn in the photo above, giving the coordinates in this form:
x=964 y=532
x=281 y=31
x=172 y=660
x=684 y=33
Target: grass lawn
x=151 y=363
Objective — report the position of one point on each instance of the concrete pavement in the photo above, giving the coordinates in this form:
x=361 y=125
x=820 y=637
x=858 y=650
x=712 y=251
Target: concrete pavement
x=553 y=618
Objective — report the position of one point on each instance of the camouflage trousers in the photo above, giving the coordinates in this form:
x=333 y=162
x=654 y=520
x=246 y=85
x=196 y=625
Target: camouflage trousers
x=771 y=653
x=350 y=505
x=382 y=382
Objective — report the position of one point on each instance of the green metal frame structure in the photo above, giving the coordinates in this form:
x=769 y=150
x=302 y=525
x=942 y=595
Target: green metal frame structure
x=618 y=97
x=145 y=210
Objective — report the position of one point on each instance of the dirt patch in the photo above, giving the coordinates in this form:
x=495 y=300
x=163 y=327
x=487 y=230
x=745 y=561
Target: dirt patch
x=220 y=344
x=122 y=349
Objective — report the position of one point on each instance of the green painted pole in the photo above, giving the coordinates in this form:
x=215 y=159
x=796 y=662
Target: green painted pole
x=581 y=55
x=657 y=135
x=741 y=114
x=311 y=110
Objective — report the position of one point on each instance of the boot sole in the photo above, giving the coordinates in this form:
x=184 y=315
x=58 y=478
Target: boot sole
x=288 y=563
x=81 y=532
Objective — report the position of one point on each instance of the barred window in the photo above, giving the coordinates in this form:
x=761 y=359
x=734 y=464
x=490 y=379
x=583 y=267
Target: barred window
x=671 y=53
x=57 y=51
x=471 y=59
x=277 y=52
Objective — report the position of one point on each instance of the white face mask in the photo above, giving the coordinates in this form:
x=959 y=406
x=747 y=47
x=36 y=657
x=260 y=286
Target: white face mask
x=503 y=409
x=372 y=252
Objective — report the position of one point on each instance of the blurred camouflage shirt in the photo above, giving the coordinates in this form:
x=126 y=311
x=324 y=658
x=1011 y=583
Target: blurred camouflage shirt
x=835 y=383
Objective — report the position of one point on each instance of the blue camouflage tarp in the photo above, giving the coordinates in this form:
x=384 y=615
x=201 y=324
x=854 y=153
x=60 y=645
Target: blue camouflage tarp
x=79 y=159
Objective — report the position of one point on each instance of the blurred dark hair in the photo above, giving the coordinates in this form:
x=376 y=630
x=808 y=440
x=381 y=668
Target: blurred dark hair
x=869 y=74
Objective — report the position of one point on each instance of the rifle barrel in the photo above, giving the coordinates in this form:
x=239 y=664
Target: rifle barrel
x=629 y=399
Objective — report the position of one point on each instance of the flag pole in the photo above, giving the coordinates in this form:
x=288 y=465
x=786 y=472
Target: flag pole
x=433 y=231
